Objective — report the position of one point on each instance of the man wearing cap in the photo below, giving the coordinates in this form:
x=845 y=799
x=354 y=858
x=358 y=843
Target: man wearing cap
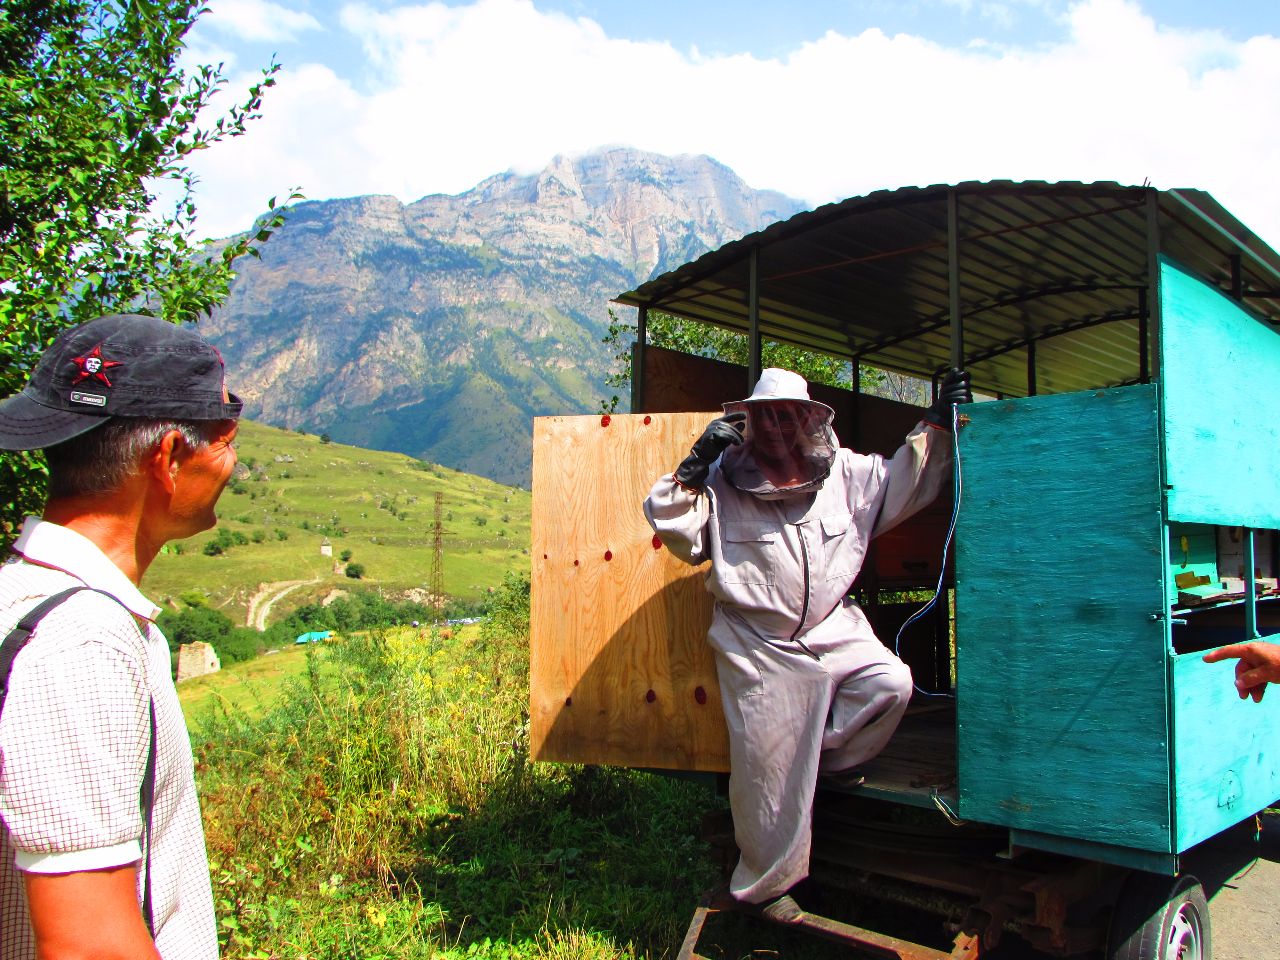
x=103 y=849
x=784 y=514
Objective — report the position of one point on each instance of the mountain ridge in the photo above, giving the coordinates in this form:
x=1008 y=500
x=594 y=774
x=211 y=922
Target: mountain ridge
x=440 y=327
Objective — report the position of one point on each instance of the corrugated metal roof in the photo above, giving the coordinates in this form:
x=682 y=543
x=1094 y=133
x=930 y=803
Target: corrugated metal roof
x=1062 y=265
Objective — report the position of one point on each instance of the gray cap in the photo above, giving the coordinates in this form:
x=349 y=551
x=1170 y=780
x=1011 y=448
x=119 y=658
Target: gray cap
x=121 y=365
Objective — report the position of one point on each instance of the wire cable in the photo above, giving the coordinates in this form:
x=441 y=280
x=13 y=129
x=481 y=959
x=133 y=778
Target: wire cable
x=957 y=488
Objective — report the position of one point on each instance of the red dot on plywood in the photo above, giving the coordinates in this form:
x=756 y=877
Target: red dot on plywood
x=544 y=556
x=575 y=563
x=657 y=543
x=650 y=697
x=568 y=701
x=604 y=421
x=648 y=420
x=700 y=695
x=608 y=555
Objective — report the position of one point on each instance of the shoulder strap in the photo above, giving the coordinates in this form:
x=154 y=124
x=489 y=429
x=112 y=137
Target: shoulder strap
x=12 y=645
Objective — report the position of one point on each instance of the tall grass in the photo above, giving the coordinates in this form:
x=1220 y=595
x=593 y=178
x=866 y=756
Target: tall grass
x=386 y=807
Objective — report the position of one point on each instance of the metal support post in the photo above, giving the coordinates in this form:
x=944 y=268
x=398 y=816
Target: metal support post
x=1144 y=338
x=753 y=319
x=1250 y=586
x=953 y=279
x=637 y=358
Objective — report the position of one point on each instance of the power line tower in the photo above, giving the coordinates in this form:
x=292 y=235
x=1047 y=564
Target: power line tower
x=436 y=586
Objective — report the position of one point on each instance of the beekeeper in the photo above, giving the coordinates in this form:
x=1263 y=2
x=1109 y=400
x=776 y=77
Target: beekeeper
x=785 y=514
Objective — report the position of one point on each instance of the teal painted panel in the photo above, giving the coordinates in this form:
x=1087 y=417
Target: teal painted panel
x=1226 y=751
x=1166 y=863
x=1193 y=548
x=1220 y=385
x=1061 y=674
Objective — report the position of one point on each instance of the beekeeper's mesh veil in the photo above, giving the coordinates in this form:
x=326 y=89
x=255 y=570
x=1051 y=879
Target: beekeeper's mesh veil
x=787 y=451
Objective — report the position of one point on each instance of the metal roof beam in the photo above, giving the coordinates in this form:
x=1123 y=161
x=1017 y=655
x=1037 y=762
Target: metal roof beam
x=1084 y=324
x=1218 y=229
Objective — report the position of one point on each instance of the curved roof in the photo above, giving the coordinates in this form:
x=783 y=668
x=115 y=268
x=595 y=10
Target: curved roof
x=1054 y=273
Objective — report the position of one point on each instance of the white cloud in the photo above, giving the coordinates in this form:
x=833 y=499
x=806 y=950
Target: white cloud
x=465 y=92
x=258 y=20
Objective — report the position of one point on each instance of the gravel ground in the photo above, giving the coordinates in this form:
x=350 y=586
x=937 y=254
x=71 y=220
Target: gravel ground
x=1244 y=899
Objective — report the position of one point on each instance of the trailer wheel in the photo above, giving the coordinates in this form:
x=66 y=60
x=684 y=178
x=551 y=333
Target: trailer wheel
x=1160 y=918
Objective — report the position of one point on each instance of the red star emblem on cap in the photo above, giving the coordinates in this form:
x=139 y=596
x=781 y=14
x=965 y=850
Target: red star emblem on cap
x=93 y=366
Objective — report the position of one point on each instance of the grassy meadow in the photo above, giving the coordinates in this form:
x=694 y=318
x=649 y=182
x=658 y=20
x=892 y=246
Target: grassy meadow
x=292 y=491
x=373 y=797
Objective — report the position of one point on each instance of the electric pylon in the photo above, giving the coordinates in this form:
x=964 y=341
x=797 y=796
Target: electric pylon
x=436 y=587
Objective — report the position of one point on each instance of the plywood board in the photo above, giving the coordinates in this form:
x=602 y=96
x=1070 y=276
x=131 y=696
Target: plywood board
x=1226 y=766
x=1061 y=658
x=1219 y=366
x=620 y=671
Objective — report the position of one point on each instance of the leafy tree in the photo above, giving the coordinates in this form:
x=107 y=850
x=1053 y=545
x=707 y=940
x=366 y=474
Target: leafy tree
x=707 y=340
x=195 y=624
x=355 y=570
x=97 y=120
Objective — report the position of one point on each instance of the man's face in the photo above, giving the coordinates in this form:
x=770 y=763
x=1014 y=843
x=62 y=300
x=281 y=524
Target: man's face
x=200 y=479
x=775 y=427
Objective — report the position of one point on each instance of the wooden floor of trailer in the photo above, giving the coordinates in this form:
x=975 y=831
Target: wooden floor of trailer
x=920 y=760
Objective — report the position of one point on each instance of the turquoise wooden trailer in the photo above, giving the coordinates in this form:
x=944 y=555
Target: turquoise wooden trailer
x=1118 y=516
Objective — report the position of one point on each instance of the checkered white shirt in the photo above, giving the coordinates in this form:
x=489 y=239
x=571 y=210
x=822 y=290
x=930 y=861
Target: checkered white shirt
x=74 y=737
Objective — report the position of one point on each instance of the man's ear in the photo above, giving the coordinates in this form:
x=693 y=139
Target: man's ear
x=166 y=458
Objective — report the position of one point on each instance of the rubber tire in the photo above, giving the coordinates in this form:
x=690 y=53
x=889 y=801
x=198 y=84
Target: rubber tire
x=1153 y=910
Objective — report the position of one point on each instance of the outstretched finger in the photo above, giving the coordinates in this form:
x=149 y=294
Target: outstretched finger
x=1224 y=653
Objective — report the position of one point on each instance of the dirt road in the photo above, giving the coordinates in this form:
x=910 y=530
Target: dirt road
x=1244 y=904
x=268 y=593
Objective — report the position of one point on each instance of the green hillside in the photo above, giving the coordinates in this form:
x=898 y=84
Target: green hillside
x=293 y=491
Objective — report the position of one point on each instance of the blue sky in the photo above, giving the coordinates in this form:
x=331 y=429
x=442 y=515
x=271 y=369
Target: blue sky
x=820 y=99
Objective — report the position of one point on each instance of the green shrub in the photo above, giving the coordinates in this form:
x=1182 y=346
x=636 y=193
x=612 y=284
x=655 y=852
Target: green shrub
x=385 y=806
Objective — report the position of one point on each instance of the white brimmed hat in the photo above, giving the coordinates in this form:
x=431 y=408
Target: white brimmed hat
x=778 y=384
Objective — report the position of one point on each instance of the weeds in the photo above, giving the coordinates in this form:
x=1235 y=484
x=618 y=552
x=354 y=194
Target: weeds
x=386 y=807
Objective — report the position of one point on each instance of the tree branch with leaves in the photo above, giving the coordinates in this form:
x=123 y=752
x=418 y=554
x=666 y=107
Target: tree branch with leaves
x=97 y=118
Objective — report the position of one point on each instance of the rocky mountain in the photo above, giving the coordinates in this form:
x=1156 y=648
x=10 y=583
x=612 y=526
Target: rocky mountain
x=440 y=328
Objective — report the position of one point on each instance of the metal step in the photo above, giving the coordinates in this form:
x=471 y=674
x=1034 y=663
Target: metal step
x=867 y=941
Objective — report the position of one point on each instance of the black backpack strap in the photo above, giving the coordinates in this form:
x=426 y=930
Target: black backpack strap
x=12 y=645
x=148 y=807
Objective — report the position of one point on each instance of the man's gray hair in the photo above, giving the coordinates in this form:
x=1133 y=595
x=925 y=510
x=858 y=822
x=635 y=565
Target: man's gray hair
x=101 y=460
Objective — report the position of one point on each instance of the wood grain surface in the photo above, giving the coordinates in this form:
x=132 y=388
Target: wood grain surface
x=620 y=672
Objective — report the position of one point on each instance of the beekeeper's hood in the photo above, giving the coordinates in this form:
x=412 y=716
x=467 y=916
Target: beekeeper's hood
x=789 y=444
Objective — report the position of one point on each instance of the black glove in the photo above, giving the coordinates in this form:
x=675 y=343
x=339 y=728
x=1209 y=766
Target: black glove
x=954 y=389
x=721 y=433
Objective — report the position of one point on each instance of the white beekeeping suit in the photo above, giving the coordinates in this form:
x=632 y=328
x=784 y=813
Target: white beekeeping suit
x=784 y=516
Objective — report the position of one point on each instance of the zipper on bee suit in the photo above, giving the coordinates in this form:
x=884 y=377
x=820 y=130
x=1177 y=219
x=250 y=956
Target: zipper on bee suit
x=804 y=608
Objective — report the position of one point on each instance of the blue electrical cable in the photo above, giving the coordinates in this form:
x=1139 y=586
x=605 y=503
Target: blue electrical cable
x=946 y=546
